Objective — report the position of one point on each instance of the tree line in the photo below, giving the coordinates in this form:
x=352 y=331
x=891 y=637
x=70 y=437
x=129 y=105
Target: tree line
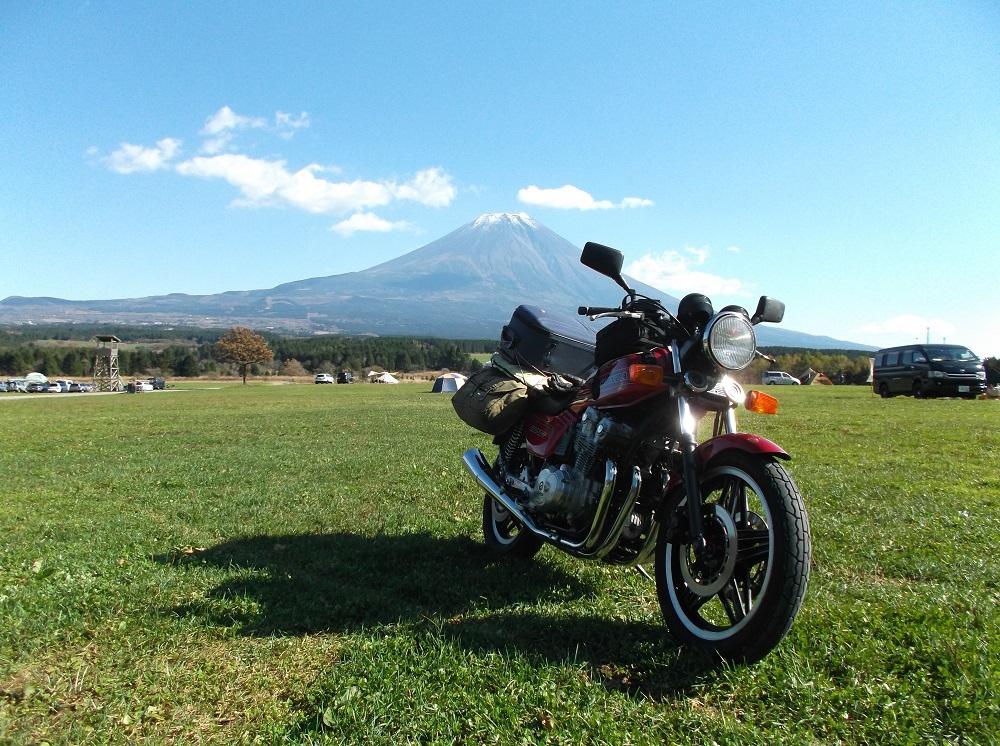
x=142 y=354
x=188 y=352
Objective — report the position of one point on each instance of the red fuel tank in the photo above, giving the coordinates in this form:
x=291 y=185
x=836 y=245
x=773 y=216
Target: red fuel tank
x=633 y=378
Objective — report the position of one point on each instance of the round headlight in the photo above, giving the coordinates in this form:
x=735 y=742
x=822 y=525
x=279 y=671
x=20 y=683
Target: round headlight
x=729 y=341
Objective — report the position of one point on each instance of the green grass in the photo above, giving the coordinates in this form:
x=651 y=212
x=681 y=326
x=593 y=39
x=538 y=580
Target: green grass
x=303 y=564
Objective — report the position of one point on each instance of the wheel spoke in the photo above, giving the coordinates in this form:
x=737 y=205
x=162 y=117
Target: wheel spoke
x=732 y=602
x=734 y=500
x=747 y=598
x=752 y=546
x=689 y=600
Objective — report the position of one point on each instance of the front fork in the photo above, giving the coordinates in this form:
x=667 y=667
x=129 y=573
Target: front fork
x=725 y=422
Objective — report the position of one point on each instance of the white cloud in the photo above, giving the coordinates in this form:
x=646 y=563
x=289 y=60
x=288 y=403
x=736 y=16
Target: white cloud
x=734 y=249
x=265 y=182
x=220 y=129
x=569 y=197
x=431 y=187
x=675 y=272
x=270 y=183
x=633 y=202
x=980 y=332
x=129 y=158
x=370 y=223
x=909 y=325
x=288 y=124
x=226 y=119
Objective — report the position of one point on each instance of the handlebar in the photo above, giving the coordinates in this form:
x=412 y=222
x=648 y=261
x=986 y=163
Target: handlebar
x=593 y=310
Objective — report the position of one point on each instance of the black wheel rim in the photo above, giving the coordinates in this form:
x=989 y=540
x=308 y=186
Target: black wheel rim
x=506 y=529
x=718 y=596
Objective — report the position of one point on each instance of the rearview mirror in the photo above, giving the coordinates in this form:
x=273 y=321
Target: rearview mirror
x=768 y=309
x=602 y=259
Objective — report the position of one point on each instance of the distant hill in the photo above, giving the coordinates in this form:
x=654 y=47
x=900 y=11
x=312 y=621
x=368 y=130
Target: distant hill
x=462 y=286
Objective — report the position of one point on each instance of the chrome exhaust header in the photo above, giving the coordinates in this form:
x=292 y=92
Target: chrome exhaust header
x=480 y=470
x=590 y=546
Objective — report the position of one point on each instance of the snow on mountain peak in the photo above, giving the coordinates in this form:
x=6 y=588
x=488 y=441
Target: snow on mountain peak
x=495 y=218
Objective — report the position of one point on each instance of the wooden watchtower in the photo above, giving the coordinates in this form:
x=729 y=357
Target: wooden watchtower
x=106 y=376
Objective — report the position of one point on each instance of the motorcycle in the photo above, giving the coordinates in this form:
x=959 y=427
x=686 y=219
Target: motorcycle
x=604 y=463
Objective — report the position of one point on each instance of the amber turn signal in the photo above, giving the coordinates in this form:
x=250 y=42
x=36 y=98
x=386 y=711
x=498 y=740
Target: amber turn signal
x=761 y=403
x=647 y=375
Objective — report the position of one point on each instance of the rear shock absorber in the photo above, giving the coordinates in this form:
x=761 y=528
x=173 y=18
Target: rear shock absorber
x=511 y=444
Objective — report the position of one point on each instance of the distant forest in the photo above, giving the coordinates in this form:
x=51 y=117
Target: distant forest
x=186 y=352
x=68 y=350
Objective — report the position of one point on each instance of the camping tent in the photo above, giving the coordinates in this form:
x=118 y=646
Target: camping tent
x=448 y=383
x=385 y=378
x=812 y=378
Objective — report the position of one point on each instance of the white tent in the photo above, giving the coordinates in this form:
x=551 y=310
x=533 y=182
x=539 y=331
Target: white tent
x=448 y=383
x=385 y=378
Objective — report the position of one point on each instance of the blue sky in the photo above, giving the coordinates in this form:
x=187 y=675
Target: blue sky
x=843 y=157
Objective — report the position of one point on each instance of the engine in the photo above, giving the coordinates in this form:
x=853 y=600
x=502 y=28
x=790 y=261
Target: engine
x=568 y=489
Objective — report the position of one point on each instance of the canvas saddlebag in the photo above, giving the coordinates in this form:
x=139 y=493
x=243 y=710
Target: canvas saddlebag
x=491 y=401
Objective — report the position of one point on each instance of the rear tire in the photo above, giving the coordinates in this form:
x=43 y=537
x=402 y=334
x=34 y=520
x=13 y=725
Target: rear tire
x=741 y=599
x=883 y=390
x=504 y=535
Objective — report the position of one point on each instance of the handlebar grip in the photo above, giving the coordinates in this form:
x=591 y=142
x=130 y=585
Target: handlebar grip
x=592 y=310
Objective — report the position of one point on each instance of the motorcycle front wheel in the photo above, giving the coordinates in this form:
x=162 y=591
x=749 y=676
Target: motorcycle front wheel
x=738 y=600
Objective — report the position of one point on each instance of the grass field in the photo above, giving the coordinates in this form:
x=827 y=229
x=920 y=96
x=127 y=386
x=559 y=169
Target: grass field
x=302 y=564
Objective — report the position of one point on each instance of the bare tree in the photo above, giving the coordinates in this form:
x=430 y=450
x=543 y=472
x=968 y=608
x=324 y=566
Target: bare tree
x=292 y=367
x=241 y=346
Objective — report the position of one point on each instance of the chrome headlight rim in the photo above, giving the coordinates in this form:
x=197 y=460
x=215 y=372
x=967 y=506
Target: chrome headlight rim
x=732 y=358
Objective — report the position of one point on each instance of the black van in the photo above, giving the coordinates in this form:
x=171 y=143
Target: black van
x=928 y=370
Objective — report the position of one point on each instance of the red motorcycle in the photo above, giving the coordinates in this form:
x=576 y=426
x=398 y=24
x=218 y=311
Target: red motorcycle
x=599 y=457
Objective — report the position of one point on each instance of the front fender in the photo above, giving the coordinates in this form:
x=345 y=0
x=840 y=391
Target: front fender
x=708 y=450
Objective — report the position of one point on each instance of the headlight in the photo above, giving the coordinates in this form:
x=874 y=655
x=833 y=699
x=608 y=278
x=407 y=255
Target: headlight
x=981 y=375
x=729 y=341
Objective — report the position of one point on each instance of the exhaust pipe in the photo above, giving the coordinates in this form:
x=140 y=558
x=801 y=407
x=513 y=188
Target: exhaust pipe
x=475 y=462
x=477 y=465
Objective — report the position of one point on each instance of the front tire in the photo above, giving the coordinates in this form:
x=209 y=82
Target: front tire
x=739 y=601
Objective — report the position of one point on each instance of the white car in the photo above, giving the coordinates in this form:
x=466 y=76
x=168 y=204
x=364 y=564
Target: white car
x=323 y=378
x=779 y=377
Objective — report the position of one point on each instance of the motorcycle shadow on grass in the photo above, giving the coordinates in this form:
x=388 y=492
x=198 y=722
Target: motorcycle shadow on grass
x=303 y=584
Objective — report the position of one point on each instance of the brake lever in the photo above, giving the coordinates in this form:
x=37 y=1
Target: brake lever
x=616 y=315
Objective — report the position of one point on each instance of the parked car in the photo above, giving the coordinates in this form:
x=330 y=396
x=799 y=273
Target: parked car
x=3 y=385
x=780 y=378
x=158 y=383
x=17 y=386
x=75 y=388
x=64 y=384
x=924 y=370
x=54 y=388
x=323 y=378
x=34 y=387
x=345 y=376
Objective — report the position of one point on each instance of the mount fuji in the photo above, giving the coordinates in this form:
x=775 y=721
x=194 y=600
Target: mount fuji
x=463 y=285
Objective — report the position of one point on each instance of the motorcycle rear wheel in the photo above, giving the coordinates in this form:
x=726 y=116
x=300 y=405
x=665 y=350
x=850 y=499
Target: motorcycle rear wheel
x=740 y=600
x=504 y=535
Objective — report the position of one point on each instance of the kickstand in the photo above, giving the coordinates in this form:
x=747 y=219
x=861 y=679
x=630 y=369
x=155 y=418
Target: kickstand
x=645 y=573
